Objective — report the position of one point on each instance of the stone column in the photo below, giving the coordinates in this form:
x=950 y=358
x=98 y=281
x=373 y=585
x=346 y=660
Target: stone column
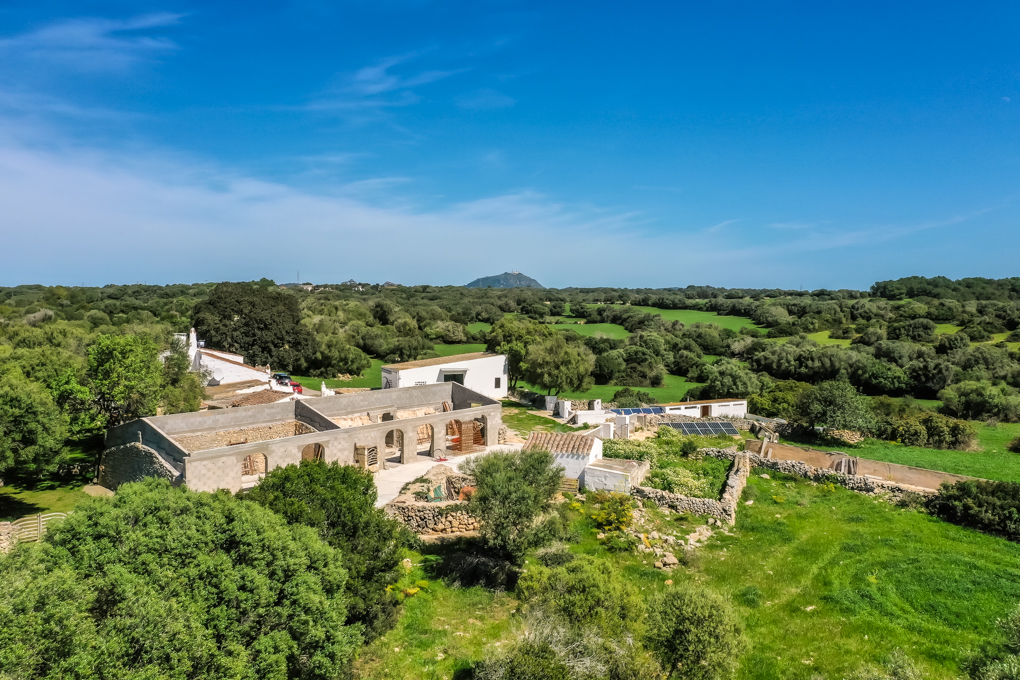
x=410 y=451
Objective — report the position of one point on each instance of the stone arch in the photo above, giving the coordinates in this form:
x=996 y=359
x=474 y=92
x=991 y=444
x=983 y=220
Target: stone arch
x=394 y=445
x=253 y=469
x=313 y=452
x=425 y=434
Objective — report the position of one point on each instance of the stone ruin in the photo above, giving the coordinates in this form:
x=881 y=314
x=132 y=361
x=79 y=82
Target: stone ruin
x=417 y=508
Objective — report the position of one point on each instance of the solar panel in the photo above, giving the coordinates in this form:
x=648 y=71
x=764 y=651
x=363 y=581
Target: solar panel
x=705 y=429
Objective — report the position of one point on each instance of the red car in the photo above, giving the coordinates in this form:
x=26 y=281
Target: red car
x=297 y=387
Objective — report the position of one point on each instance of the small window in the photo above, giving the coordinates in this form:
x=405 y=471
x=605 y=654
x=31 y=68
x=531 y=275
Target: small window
x=497 y=383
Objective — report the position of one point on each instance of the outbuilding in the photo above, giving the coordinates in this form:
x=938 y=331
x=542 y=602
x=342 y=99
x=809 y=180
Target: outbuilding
x=480 y=372
x=708 y=408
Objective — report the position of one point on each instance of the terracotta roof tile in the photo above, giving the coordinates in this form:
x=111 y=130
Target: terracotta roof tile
x=559 y=443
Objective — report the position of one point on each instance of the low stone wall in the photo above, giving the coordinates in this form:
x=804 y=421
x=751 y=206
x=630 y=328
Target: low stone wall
x=434 y=518
x=259 y=433
x=858 y=483
x=724 y=509
x=6 y=537
x=133 y=463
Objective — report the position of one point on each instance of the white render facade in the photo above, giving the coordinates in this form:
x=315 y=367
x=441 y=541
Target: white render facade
x=710 y=408
x=480 y=372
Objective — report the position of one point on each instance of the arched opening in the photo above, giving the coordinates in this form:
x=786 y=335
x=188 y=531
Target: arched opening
x=424 y=437
x=394 y=445
x=313 y=452
x=482 y=430
x=253 y=468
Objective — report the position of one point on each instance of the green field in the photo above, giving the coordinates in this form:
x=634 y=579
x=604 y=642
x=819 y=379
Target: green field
x=946 y=329
x=992 y=461
x=453 y=350
x=522 y=419
x=825 y=581
x=675 y=389
x=610 y=330
x=688 y=316
x=17 y=502
x=479 y=326
x=372 y=377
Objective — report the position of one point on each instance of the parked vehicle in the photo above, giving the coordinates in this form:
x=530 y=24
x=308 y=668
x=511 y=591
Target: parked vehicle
x=281 y=378
x=297 y=387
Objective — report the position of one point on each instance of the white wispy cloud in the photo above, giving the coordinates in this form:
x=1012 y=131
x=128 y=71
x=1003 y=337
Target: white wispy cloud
x=94 y=44
x=378 y=86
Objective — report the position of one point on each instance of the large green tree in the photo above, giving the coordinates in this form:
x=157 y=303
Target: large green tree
x=161 y=582
x=338 y=501
x=123 y=380
x=511 y=491
x=262 y=324
x=557 y=366
x=513 y=336
x=32 y=427
x=836 y=404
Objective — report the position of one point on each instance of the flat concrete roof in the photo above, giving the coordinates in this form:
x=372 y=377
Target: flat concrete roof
x=439 y=361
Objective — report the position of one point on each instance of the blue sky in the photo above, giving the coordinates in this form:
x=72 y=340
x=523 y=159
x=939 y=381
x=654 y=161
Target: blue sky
x=624 y=144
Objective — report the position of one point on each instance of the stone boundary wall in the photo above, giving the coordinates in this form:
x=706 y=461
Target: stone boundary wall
x=434 y=518
x=6 y=537
x=724 y=509
x=133 y=463
x=858 y=483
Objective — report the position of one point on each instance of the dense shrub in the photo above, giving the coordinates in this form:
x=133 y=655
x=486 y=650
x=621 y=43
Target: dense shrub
x=511 y=490
x=545 y=647
x=988 y=506
x=694 y=633
x=585 y=591
x=162 y=582
x=630 y=398
x=678 y=480
x=338 y=501
x=929 y=429
x=615 y=512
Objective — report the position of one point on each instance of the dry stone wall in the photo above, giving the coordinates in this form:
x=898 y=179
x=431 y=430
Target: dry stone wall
x=133 y=463
x=246 y=435
x=724 y=509
x=431 y=519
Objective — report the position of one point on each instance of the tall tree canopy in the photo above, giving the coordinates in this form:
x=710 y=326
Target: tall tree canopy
x=262 y=324
x=338 y=501
x=558 y=367
x=161 y=582
x=32 y=428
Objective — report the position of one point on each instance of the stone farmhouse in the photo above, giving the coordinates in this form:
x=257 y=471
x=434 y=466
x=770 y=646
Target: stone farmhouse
x=481 y=372
x=233 y=448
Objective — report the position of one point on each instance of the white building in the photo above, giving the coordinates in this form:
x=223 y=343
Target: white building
x=572 y=452
x=479 y=372
x=221 y=367
x=709 y=408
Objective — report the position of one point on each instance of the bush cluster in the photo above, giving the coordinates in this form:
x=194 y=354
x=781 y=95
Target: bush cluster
x=988 y=506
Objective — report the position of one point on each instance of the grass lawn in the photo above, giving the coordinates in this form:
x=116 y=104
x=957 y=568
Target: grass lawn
x=946 y=329
x=522 y=419
x=453 y=350
x=16 y=502
x=674 y=390
x=688 y=316
x=993 y=461
x=825 y=581
x=589 y=329
x=372 y=377
x=479 y=326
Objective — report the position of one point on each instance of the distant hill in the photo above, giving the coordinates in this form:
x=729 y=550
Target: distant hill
x=507 y=280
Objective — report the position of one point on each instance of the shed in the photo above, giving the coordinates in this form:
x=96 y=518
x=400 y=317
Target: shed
x=480 y=372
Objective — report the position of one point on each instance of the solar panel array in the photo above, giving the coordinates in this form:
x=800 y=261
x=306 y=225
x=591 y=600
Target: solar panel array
x=651 y=410
x=705 y=428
